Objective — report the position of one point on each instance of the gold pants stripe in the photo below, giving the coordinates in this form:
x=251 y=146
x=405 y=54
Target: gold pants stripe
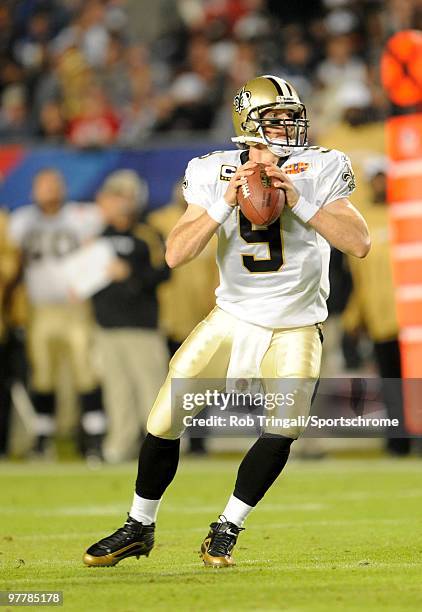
x=294 y=353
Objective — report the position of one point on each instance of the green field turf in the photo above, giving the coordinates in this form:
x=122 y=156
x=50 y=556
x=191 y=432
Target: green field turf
x=335 y=534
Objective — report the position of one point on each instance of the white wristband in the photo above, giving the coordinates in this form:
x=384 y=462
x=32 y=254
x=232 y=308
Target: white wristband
x=304 y=209
x=220 y=210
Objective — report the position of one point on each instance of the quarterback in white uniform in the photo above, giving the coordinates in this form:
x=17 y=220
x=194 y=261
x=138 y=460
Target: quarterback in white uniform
x=270 y=302
x=291 y=256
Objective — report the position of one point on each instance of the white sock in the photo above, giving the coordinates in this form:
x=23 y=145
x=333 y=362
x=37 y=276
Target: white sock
x=45 y=425
x=144 y=510
x=236 y=511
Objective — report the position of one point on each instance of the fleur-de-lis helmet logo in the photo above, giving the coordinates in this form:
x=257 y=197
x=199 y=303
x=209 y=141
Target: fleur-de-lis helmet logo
x=242 y=100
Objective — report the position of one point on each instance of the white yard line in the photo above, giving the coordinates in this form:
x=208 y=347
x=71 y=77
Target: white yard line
x=206 y=466
x=122 y=508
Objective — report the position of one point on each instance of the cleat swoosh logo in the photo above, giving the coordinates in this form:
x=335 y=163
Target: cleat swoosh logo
x=229 y=532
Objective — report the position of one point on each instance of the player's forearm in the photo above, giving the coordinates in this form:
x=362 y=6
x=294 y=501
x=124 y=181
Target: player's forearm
x=187 y=241
x=347 y=234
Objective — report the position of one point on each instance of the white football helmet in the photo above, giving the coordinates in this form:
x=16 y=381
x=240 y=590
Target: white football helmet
x=260 y=95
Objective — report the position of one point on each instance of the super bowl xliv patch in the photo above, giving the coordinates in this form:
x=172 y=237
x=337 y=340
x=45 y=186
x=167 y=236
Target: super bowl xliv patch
x=296 y=168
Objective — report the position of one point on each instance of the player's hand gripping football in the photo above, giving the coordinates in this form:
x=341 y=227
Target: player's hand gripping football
x=238 y=179
x=282 y=181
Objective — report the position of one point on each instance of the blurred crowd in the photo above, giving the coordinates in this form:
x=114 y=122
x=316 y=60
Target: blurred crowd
x=96 y=72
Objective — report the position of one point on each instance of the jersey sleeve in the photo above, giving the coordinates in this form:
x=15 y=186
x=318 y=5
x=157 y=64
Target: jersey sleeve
x=18 y=225
x=336 y=178
x=197 y=188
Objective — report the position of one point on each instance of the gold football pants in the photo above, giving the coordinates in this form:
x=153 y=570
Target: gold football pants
x=56 y=330
x=293 y=353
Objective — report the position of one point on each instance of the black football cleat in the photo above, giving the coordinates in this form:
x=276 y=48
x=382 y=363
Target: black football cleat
x=43 y=449
x=217 y=547
x=132 y=540
x=90 y=447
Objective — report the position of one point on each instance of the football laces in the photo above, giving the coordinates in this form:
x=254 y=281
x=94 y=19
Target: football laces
x=245 y=190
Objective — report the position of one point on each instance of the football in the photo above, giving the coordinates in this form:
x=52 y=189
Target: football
x=259 y=200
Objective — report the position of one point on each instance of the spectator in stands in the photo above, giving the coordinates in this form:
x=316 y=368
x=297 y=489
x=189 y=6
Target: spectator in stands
x=52 y=128
x=88 y=32
x=359 y=133
x=133 y=352
x=256 y=23
x=6 y=29
x=15 y=124
x=196 y=92
x=191 y=287
x=296 y=65
x=147 y=105
x=56 y=51
x=403 y=15
x=138 y=119
x=45 y=232
x=10 y=73
x=69 y=81
x=244 y=65
x=373 y=294
x=341 y=67
x=341 y=64
x=114 y=76
x=31 y=48
x=97 y=124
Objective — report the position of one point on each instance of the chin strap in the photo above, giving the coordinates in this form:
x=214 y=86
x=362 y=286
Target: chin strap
x=281 y=151
x=278 y=150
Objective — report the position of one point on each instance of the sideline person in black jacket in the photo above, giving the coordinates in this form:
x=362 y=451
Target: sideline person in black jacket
x=132 y=350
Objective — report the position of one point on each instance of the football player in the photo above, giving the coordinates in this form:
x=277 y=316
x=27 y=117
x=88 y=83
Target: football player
x=270 y=302
x=46 y=232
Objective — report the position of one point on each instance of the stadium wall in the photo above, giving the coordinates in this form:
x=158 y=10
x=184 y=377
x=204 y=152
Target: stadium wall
x=85 y=171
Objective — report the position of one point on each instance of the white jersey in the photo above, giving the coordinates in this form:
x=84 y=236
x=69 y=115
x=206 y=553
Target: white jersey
x=45 y=240
x=274 y=276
